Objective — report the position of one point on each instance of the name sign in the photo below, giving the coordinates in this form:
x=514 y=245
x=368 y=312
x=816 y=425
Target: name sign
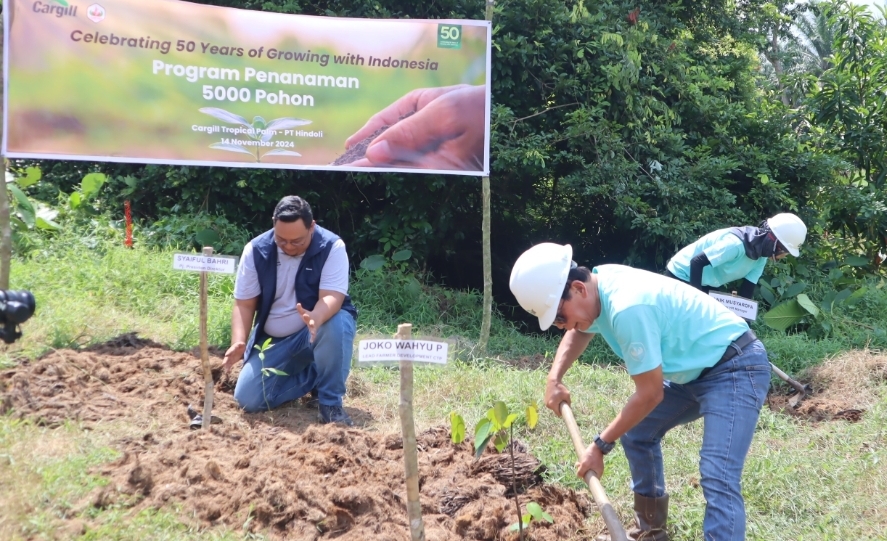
x=742 y=307
x=202 y=263
x=422 y=351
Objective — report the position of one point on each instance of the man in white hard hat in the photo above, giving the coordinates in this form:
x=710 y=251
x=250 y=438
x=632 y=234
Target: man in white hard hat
x=689 y=357
x=735 y=253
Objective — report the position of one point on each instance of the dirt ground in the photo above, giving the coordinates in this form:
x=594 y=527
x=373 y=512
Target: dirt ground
x=286 y=476
x=281 y=474
x=843 y=388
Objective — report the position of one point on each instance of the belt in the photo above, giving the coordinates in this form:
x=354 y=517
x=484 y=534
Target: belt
x=734 y=349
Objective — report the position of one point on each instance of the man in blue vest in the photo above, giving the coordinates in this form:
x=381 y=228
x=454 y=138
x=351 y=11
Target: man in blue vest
x=293 y=322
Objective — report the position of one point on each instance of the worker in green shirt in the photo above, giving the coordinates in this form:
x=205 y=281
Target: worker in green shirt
x=734 y=253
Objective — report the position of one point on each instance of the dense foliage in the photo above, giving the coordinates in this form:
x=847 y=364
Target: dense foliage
x=625 y=130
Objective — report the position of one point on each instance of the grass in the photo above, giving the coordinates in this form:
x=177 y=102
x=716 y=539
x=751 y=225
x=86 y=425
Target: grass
x=803 y=481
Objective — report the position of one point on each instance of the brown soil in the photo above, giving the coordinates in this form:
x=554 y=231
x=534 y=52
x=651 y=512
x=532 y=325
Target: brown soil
x=279 y=472
x=843 y=388
x=358 y=150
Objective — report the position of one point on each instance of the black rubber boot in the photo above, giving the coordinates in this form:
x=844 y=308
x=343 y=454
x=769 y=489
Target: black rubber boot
x=651 y=515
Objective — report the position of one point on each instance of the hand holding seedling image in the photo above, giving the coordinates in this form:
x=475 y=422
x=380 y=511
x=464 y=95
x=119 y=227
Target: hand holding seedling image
x=260 y=133
x=429 y=128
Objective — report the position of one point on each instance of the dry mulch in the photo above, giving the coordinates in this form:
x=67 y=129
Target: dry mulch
x=278 y=473
x=843 y=388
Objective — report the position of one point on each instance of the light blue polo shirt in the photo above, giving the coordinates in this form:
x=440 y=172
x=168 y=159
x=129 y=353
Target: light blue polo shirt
x=727 y=256
x=649 y=320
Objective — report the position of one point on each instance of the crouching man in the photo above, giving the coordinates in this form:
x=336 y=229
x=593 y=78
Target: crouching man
x=292 y=288
x=689 y=357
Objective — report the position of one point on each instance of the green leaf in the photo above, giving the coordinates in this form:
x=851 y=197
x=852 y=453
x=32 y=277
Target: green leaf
x=500 y=412
x=281 y=152
x=828 y=301
x=538 y=513
x=785 y=315
x=808 y=305
x=231 y=148
x=457 y=428
x=225 y=116
x=208 y=237
x=25 y=208
x=795 y=289
x=532 y=416
x=510 y=419
x=32 y=176
x=501 y=441
x=373 y=262
x=482 y=436
x=274 y=371
x=856 y=261
x=47 y=224
x=856 y=297
x=413 y=287
x=91 y=184
x=74 y=200
x=768 y=293
x=402 y=255
x=844 y=294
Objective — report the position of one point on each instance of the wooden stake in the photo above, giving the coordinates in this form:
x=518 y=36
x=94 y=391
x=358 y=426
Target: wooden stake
x=410 y=457
x=204 y=350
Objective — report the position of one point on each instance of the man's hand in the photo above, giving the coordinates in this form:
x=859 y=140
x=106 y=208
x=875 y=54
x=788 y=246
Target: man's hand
x=234 y=354
x=445 y=130
x=555 y=393
x=309 y=320
x=591 y=459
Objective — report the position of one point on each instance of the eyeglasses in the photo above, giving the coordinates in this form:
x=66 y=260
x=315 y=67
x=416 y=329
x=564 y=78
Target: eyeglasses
x=298 y=243
x=559 y=318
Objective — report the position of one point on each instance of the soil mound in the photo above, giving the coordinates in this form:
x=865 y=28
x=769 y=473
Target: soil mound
x=843 y=388
x=275 y=472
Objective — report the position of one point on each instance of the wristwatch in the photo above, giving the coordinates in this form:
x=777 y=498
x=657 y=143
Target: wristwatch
x=605 y=447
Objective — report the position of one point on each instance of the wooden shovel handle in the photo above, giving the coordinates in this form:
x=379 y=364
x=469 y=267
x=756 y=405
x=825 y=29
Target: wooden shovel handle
x=611 y=519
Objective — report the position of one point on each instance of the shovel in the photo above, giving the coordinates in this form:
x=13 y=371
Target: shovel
x=802 y=389
x=611 y=519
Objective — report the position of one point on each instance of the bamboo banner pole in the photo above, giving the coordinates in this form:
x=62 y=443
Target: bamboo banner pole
x=410 y=457
x=204 y=349
x=488 y=255
x=611 y=519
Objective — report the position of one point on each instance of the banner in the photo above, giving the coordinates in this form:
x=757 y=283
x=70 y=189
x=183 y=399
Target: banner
x=171 y=82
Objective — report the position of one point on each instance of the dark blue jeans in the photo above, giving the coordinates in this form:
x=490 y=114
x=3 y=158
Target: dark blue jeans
x=728 y=399
x=324 y=365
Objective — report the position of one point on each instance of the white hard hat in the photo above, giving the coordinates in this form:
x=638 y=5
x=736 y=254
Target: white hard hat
x=789 y=230
x=538 y=279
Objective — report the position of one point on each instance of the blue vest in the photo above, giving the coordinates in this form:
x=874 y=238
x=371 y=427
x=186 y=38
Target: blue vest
x=307 y=277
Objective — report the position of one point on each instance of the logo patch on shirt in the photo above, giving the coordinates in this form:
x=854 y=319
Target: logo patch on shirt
x=636 y=351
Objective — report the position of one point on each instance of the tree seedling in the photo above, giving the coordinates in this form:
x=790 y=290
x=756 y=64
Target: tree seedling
x=266 y=371
x=498 y=426
x=534 y=513
x=259 y=131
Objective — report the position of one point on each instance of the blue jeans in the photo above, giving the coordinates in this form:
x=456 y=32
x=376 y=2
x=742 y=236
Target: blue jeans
x=728 y=399
x=323 y=365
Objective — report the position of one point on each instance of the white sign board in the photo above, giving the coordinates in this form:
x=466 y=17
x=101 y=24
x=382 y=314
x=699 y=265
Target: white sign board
x=742 y=307
x=202 y=263
x=421 y=351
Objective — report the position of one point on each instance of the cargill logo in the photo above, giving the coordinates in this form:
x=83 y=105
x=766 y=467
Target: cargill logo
x=59 y=8
x=95 y=13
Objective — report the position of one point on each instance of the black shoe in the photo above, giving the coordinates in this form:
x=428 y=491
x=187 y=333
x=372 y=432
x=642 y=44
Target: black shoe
x=197 y=419
x=333 y=414
x=312 y=402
